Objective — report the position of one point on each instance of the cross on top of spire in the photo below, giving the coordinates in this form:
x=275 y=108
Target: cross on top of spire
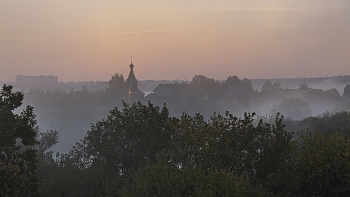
x=131 y=65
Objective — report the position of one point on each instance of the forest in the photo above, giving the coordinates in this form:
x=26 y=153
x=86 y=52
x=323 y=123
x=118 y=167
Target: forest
x=190 y=146
x=72 y=111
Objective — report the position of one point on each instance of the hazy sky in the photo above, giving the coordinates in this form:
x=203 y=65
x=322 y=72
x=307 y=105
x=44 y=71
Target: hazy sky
x=85 y=40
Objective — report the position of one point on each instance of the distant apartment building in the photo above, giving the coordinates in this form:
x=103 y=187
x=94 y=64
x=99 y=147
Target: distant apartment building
x=42 y=82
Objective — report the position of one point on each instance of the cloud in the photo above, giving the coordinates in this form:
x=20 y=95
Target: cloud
x=155 y=31
x=232 y=9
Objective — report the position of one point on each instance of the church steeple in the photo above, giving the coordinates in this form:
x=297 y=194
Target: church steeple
x=131 y=81
x=131 y=65
x=132 y=92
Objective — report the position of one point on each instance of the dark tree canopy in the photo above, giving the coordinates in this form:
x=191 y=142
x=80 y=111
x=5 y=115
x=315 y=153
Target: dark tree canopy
x=267 y=86
x=333 y=92
x=117 y=83
x=295 y=108
x=17 y=146
x=303 y=86
x=201 y=82
x=231 y=80
x=346 y=93
x=139 y=150
x=129 y=137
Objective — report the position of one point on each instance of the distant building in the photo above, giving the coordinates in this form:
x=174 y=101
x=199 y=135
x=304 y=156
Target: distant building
x=163 y=93
x=133 y=93
x=42 y=82
x=174 y=94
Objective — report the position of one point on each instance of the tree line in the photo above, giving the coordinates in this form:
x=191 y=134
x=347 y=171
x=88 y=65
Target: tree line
x=140 y=150
x=205 y=95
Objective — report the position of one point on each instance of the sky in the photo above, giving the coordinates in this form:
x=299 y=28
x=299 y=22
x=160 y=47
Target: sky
x=90 y=40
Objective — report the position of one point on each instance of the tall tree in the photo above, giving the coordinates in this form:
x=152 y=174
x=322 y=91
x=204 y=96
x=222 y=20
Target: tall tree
x=229 y=144
x=303 y=86
x=267 y=86
x=319 y=166
x=295 y=108
x=128 y=138
x=232 y=80
x=346 y=93
x=201 y=82
x=277 y=85
x=18 y=160
x=116 y=83
x=116 y=89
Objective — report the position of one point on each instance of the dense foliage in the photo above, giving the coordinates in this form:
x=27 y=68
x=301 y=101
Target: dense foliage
x=18 y=161
x=141 y=151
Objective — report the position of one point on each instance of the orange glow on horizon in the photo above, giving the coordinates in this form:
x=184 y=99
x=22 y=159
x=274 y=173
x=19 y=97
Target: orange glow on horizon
x=92 y=40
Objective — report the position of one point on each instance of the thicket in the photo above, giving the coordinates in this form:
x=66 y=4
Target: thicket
x=140 y=150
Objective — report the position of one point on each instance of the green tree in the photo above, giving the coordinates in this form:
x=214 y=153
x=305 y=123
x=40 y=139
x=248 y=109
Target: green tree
x=277 y=85
x=231 y=80
x=225 y=156
x=219 y=184
x=234 y=80
x=18 y=162
x=47 y=140
x=47 y=168
x=112 y=151
x=117 y=83
x=346 y=93
x=267 y=86
x=333 y=92
x=295 y=108
x=327 y=169
x=116 y=89
x=319 y=166
x=126 y=140
x=201 y=82
x=228 y=144
x=327 y=123
x=249 y=83
x=140 y=151
x=162 y=179
x=166 y=179
x=303 y=86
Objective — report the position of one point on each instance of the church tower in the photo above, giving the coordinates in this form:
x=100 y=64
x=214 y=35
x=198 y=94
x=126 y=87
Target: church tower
x=133 y=94
x=131 y=81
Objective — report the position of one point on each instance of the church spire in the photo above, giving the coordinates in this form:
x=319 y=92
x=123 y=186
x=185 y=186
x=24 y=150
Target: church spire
x=131 y=81
x=131 y=65
x=132 y=92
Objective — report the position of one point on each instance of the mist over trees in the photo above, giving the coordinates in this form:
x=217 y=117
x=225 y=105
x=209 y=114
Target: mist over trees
x=143 y=149
x=295 y=108
x=71 y=111
x=183 y=139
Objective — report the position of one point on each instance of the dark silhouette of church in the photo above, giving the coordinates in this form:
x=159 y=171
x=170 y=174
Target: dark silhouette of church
x=133 y=94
